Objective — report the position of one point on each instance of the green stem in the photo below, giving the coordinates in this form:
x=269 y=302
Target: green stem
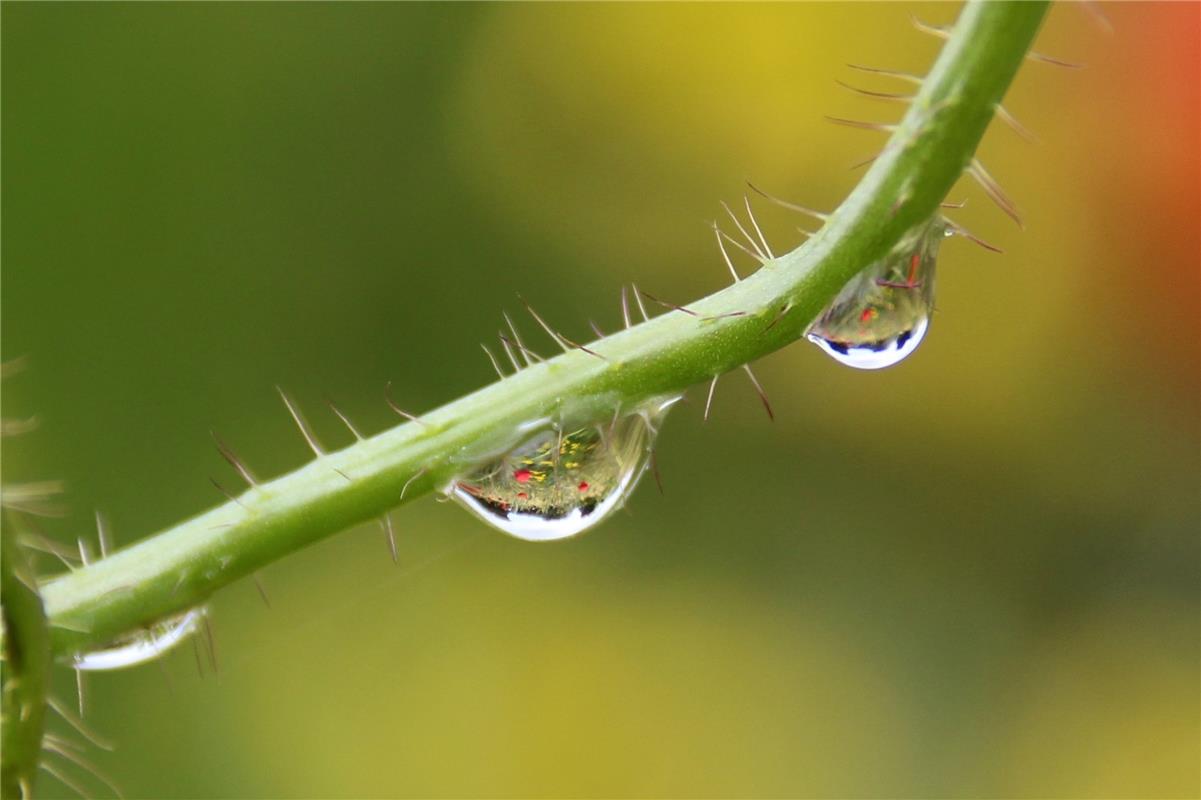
x=26 y=671
x=182 y=566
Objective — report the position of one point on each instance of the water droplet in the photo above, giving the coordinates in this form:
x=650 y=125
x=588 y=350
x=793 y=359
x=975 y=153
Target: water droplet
x=559 y=483
x=883 y=313
x=143 y=645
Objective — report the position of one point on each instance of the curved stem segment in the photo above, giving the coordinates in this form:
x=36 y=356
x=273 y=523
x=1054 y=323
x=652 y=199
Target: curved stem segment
x=930 y=149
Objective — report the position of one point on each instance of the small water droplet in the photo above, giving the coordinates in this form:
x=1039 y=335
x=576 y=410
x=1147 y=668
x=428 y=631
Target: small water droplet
x=143 y=645
x=883 y=313
x=559 y=483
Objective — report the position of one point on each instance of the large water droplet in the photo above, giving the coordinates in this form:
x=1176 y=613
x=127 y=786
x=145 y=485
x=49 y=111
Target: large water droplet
x=559 y=483
x=883 y=313
x=143 y=645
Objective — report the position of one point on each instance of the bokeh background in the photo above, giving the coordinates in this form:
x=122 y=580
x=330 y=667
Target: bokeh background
x=974 y=574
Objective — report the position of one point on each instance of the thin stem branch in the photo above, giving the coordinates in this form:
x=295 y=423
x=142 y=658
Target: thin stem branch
x=26 y=670
x=929 y=150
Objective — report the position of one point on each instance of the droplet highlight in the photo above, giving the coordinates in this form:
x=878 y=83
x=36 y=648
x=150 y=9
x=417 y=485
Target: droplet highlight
x=559 y=483
x=883 y=314
x=143 y=645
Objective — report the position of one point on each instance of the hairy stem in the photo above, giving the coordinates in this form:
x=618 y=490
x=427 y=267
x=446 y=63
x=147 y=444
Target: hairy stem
x=182 y=566
x=26 y=671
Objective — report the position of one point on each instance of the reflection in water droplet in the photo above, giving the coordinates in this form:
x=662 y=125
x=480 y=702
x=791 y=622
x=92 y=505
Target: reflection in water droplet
x=883 y=313
x=557 y=484
x=143 y=645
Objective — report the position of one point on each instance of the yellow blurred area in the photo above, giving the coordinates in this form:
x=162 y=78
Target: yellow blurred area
x=674 y=102
x=973 y=574
x=629 y=704
x=1074 y=736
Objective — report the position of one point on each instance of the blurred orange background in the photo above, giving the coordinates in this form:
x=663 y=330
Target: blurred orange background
x=973 y=574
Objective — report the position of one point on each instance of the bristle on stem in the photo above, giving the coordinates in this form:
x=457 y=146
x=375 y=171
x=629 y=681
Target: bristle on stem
x=994 y=191
x=759 y=254
x=345 y=420
x=937 y=31
x=233 y=460
x=740 y=246
x=1043 y=58
x=504 y=343
x=818 y=215
x=551 y=332
x=62 y=778
x=397 y=409
x=759 y=389
x=210 y=641
x=103 y=536
x=665 y=304
x=529 y=355
x=959 y=230
x=721 y=245
x=228 y=495
x=52 y=744
x=41 y=544
x=1093 y=9
x=262 y=589
x=709 y=397
x=390 y=533
x=79 y=725
x=1012 y=121
x=888 y=96
x=305 y=431
x=879 y=127
x=638 y=299
x=865 y=161
x=908 y=77
x=492 y=360
x=577 y=346
x=784 y=309
x=755 y=223
x=409 y=482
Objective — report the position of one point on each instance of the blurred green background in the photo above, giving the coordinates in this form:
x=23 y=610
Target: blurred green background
x=974 y=574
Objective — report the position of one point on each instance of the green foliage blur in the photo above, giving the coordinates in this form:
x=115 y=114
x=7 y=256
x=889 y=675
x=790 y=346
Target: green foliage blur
x=974 y=574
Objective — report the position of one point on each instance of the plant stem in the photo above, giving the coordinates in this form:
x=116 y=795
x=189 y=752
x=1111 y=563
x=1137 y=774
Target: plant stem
x=26 y=671
x=928 y=152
